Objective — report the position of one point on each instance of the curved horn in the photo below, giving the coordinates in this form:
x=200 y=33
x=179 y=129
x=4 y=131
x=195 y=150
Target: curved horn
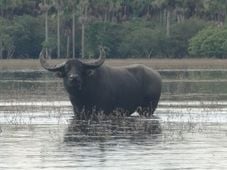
x=98 y=62
x=47 y=66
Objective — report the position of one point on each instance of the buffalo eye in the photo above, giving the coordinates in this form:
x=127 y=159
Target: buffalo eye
x=59 y=74
x=90 y=72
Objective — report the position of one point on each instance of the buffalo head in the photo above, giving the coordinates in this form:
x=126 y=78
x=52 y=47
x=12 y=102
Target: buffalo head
x=73 y=71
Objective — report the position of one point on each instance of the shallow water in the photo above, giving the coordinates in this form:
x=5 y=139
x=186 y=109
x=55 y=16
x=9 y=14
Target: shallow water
x=37 y=129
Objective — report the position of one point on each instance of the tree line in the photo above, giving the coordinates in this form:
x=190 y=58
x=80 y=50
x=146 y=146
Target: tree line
x=128 y=28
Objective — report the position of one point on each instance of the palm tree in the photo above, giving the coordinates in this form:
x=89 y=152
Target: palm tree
x=83 y=20
x=58 y=5
x=167 y=6
x=74 y=4
x=216 y=10
x=44 y=8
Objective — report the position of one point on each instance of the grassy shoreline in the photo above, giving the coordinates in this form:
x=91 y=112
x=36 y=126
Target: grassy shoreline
x=19 y=64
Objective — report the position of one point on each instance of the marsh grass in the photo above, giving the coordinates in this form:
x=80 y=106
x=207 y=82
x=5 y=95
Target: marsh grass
x=18 y=64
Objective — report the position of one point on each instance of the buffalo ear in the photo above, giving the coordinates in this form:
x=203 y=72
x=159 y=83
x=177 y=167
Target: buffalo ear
x=90 y=72
x=59 y=74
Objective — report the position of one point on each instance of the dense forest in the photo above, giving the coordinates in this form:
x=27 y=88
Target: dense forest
x=127 y=28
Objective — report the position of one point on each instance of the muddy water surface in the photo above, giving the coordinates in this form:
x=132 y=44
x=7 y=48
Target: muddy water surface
x=38 y=131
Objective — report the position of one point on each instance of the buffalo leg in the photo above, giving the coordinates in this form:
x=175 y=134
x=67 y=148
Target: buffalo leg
x=151 y=109
x=77 y=112
x=153 y=106
x=87 y=112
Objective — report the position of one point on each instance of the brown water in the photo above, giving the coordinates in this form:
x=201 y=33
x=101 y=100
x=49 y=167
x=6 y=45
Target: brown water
x=37 y=129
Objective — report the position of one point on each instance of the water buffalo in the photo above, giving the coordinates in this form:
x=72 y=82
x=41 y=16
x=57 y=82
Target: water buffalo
x=92 y=84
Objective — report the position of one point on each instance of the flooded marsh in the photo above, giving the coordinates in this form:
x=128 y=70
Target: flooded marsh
x=38 y=130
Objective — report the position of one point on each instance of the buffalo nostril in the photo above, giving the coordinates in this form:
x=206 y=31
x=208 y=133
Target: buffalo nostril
x=74 y=78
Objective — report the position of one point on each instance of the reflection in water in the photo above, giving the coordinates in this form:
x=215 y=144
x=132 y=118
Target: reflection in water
x=118 y=128
x=82 y=146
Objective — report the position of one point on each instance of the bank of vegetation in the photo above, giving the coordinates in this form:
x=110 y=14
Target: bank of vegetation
x=128 y=28
x=159 y=64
